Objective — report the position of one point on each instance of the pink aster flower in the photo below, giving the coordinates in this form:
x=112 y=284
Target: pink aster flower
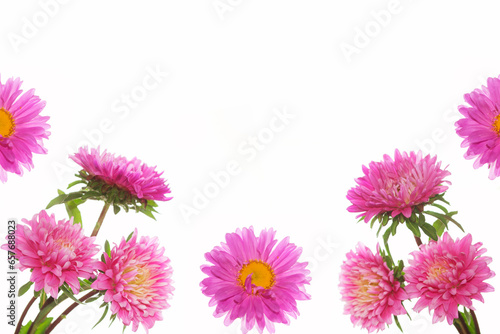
x=370 y=292
x=448 y=273
x=397 y=186
x=137 y=281
x=481 y=126
x=135 y=177
x=22 y=129
x=56 y=252
x=253 y=280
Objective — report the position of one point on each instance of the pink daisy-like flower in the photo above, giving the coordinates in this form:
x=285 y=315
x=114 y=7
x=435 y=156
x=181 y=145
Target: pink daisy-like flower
x=56 y=252
x=370 y=292
x=448 y=273
x=137 y=281
x=22 y=129
x=397 y=186
x=255 y=281
x=481 y=126
x=135 y=177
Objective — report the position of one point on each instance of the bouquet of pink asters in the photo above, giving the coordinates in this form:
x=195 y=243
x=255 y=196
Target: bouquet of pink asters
x=444 y=275
x=132 y=279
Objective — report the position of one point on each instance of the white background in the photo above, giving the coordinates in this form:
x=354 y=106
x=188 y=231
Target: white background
x=228 y=73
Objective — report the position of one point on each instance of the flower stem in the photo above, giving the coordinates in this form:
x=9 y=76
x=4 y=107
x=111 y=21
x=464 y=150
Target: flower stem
x=100 y=220
x=476 y=324
x=20 y=322
x=418 y=241
x=46 y=308
x=69 y=309
x=460 y=325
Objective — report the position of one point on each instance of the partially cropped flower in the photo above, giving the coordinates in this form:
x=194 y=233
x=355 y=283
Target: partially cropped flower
x=119 y=179
x=448 y=273
x=397 y=186
x=136 y=278
x=56 y=252
x=371 y=293
x=22 y=129
x=253 y=280
x=481 y=126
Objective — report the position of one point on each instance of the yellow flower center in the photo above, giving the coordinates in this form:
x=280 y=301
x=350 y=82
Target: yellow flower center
x=364 y=295
x=65 y=244
x=262 y=274
x=140 y=284
x=437 y=271
x=6 y=123
x=496 y=124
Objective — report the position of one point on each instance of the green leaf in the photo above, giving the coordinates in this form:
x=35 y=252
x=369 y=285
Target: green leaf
x=25 y=328
x=43 y=326
x=471 y=326
x=43 y=298
x=379 y=228
x=413 y=228
x=386 y=244
x=385 y=219
x=107 y=248
x=430 y=231
x=439 y=226
x=396 y=320
x=70 y=294
x=112 y=318
x=25 y=288
x=116 y=209
x=130 y=236
x=440 y=207
x=147 y=212
x=439 y=216
x=73 y=211
x=92 y=299
x=58 y=200
x=75 y=183
x=103 y=316
x=467 y=316
x=421 y=219
x=394 y=227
